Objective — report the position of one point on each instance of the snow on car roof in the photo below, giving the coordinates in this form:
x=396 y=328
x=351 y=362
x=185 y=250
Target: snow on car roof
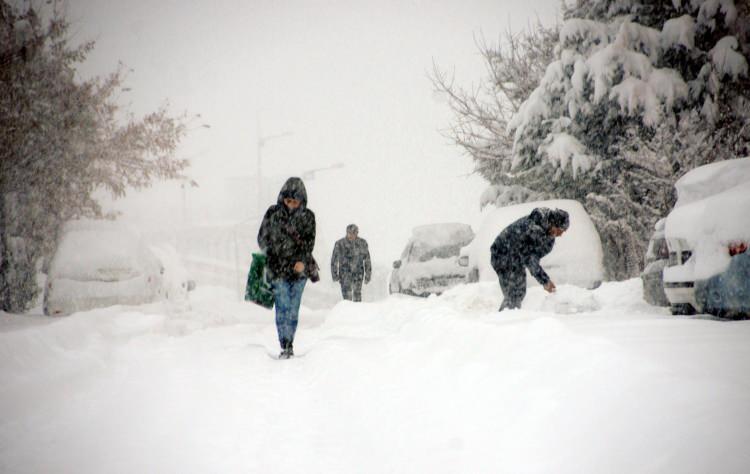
x=100 y=250
x=449 y=233
x=711 y=179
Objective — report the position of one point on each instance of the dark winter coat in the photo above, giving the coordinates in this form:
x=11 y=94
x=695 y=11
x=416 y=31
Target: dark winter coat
x=351 y=260
x=523 y=244
x=288 y=236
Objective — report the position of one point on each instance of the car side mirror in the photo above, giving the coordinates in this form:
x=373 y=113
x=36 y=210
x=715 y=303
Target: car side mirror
x=463 y=260
x=397 y=264
x=191 y=285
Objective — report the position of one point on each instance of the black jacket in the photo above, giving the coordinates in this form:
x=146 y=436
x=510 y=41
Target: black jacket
x=288 y=236
x=351 y=260
x=523 y=244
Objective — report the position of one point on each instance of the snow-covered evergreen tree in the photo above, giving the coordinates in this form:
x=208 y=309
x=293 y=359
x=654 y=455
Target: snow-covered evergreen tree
x=60 y=140
x=637 y=93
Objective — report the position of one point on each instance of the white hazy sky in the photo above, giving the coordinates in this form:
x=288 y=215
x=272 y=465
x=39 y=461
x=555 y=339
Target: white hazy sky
x=348 y=78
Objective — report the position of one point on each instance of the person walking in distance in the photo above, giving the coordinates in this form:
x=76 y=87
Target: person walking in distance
x=287 y=237
x=350 y=264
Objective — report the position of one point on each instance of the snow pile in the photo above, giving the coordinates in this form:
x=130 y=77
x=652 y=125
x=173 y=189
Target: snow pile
x=575 y=259
x=442 y=384
x=569 y=299
x=486 y=296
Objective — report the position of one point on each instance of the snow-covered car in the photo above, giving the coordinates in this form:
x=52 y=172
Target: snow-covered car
x=102 y=263
x=576 y=259
x=652 y=277
x=175 y=280
x=430 y=261
x=707 y=233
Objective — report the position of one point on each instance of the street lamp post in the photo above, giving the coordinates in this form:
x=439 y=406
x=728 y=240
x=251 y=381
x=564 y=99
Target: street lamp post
x=260 y=143
x=310 y=174
x=184 y=185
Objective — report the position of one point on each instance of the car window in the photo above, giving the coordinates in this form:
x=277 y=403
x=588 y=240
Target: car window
x=660 y=249
x=657 y=249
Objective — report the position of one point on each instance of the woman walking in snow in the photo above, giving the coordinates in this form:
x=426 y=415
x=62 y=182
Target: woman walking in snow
x=287 y=237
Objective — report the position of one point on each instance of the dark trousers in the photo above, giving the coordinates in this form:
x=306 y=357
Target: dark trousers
x=351 y=289
x=513 y=283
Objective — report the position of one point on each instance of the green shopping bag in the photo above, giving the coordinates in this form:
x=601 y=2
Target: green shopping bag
x=258 y=289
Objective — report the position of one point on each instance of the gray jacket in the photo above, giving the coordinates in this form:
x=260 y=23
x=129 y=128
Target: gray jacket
x=351 y=260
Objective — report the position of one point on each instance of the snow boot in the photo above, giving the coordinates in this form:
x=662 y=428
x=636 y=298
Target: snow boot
x=287 y=352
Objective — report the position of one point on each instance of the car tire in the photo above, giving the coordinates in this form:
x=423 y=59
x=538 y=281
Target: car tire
x=682 y=309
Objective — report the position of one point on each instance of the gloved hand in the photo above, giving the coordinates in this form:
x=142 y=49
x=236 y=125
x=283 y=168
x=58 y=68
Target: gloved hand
x=335 y=277
x=367 y=279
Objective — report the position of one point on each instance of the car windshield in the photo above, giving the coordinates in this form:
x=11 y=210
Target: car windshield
x=420 y=252
x=438 y=241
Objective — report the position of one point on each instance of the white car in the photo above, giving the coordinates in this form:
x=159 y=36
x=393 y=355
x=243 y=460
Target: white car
x=576 y=258
x=102 y=263
x=709 y=220
x=429 y=263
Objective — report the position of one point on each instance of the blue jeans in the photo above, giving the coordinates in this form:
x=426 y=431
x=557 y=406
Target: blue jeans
x=288 y=296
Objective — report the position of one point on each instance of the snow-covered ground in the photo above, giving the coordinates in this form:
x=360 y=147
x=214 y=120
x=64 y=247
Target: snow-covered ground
x=580 y=382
